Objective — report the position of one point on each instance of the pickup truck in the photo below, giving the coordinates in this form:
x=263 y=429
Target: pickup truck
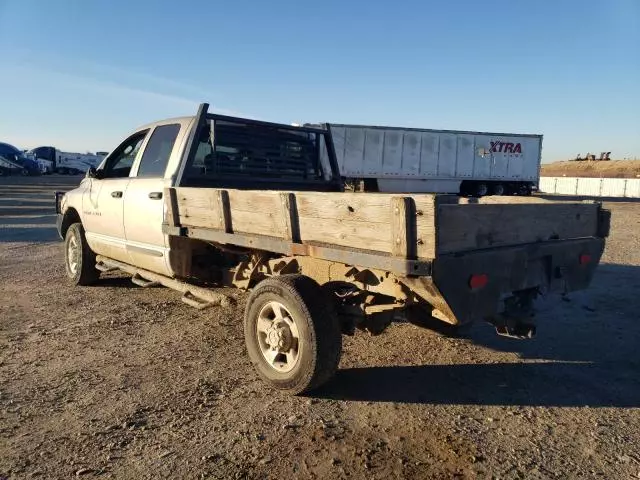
x=211 y=201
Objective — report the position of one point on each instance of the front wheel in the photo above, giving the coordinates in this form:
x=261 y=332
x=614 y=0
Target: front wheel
x=80 y=261
x=292 y=333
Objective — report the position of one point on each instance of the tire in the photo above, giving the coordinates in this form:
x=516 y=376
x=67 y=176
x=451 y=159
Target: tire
x=481 y=189
x=498 y=189
x=524 y=190
x=298 y=364
x=79 y=260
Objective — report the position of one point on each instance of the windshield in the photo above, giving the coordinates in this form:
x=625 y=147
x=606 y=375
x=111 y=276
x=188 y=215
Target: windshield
x=8 y=149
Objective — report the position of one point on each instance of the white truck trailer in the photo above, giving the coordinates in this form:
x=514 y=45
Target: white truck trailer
x=392 y=159
x=53 y=160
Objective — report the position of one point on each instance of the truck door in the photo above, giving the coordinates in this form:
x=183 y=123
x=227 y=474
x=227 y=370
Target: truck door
x=102 y=202
x=147 y=245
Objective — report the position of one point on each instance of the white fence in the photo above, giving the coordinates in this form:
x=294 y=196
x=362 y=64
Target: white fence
x=592 y=187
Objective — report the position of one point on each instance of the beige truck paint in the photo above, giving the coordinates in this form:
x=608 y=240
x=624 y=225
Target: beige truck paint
x=131 y=234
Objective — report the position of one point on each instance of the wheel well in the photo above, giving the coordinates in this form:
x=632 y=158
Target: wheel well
x=71 y=216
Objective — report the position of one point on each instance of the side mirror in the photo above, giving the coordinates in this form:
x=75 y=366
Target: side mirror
x=93 y=173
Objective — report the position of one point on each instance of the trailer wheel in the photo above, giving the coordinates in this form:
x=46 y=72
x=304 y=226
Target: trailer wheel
x=498 y=189
x=292 y=333
x=481 y=189
x=80 y=261
x=524 y=189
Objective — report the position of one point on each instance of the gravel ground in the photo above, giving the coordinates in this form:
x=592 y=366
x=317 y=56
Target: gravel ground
x=118 y=381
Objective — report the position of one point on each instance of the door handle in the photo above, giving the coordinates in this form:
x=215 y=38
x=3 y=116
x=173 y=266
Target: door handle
x=116 y=194
x=155 y=195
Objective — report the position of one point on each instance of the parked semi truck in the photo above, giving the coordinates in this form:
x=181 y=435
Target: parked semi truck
x=390 y=159
x=197 y=203
x=9 y=167
x=52 y=160
x=14 y=162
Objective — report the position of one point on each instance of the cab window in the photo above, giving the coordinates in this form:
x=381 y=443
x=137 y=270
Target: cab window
x=158 y=150
x=119 y=164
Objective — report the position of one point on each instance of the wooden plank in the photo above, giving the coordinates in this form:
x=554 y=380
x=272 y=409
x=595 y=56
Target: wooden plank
x=345 y=206
x=425 y=211
x=290 y=216
x=224 y=211
x=350 y=256
x=470 y=227
x=199 y=207
x=258 y=212
x=403 y=232
x=497 y=199
x=347 y=233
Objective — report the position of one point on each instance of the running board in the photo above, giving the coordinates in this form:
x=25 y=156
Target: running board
x=101 y=267
x=141 y=282
x=195 y=302
x=194 y=296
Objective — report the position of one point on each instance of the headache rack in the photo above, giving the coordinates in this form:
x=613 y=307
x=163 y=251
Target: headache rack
x=250 y=154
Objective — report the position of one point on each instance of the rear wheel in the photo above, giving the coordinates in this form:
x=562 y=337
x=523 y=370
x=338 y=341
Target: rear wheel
x=80 y=261
x=524 y=189
x=498 y=189
x=292 y=333
x=481 y=189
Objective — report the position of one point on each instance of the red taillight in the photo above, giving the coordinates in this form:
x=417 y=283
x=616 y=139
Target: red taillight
x=478 y=281
x=584 y=259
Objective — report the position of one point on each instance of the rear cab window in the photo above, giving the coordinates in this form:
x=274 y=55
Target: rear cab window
x=245 y=154
x=158 y=151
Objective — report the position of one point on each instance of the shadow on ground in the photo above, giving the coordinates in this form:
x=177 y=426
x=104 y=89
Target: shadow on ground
x=526 y=384
x=585 y=354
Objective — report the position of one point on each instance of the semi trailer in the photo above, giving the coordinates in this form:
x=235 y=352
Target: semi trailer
x=392 y=159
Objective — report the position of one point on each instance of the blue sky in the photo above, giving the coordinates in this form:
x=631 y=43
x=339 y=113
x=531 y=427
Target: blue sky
x=80 y=75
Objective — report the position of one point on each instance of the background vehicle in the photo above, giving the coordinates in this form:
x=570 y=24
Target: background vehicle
x=390 y=159
x=15 y=162
x=198 y=202
x=8 y=167
x=67 y=163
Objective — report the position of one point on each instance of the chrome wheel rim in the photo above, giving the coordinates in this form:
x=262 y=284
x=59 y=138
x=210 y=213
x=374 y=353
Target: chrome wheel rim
x=278 y=337
x=73 y=254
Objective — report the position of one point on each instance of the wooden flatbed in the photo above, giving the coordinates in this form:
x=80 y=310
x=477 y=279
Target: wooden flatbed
x=400 y=233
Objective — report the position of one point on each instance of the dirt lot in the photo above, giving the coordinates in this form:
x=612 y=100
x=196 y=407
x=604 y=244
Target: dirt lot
x=597 y=169
x=118 y=381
